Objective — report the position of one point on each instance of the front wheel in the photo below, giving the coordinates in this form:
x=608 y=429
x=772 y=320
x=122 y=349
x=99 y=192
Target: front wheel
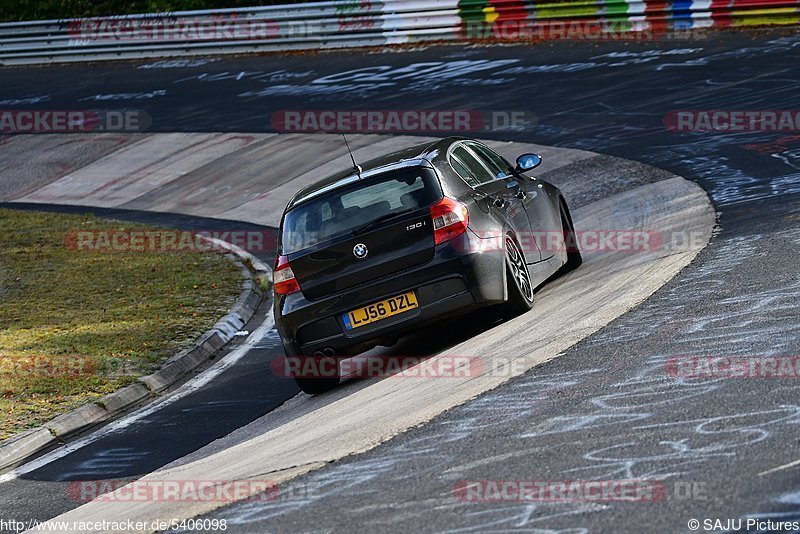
x=518 y=280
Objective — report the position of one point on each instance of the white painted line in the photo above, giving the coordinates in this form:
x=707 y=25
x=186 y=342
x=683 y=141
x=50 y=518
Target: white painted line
x=796 y=463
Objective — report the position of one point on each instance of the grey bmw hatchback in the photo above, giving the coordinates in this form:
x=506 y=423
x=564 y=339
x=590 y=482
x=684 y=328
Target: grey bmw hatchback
x=371 y=253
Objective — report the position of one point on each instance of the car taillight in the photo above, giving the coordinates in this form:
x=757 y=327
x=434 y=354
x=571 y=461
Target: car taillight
x=283 y=280
x=450 y=219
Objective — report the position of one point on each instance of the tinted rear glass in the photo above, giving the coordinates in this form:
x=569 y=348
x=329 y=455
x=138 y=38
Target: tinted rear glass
x=341 y=211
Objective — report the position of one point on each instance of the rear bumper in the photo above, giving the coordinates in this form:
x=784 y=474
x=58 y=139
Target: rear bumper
x=451 y=283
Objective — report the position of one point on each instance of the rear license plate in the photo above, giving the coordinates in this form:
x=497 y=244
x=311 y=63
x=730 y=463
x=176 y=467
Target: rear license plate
x=380 y=310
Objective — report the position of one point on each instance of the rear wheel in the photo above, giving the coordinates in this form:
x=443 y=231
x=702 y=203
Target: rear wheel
x=574 y=258
x=313 y=386
x=518 y=280
x=316 y=374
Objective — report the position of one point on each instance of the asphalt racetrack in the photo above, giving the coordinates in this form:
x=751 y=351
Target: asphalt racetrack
x=602 y=407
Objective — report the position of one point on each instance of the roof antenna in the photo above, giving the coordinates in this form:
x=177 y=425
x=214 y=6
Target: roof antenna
x=356 y=166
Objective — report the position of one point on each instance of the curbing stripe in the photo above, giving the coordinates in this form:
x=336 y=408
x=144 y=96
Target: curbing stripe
x=68 y=424
x=123 y=398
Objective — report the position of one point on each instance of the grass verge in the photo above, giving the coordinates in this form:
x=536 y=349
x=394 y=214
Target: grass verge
x=75 y=325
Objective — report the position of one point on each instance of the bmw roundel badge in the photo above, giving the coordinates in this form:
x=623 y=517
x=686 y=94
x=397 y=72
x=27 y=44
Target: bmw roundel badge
x=360 y=251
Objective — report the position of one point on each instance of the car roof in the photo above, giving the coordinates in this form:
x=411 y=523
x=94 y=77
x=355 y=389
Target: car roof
x=421 y=154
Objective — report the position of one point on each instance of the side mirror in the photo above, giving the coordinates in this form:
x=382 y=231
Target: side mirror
x=527 y=162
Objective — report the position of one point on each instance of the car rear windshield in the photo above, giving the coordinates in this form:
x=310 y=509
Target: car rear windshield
x=345 y=209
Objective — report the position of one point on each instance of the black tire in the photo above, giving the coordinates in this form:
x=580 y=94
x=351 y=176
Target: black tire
x=313 y=386
x=574 y=258
x=518 y=280
x=314 y=383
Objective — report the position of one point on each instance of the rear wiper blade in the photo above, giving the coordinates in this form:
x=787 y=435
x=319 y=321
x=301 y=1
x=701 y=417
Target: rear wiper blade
x=363 y=228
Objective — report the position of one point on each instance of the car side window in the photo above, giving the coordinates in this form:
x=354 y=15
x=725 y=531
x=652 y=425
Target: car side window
x=495 y=162
x=471 y=170
x=463 y=171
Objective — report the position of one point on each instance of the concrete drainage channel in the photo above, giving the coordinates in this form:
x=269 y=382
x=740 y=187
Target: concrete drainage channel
x=28 y=444
x=361 y=414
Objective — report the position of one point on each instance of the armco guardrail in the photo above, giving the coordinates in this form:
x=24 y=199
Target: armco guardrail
x=347 y=23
